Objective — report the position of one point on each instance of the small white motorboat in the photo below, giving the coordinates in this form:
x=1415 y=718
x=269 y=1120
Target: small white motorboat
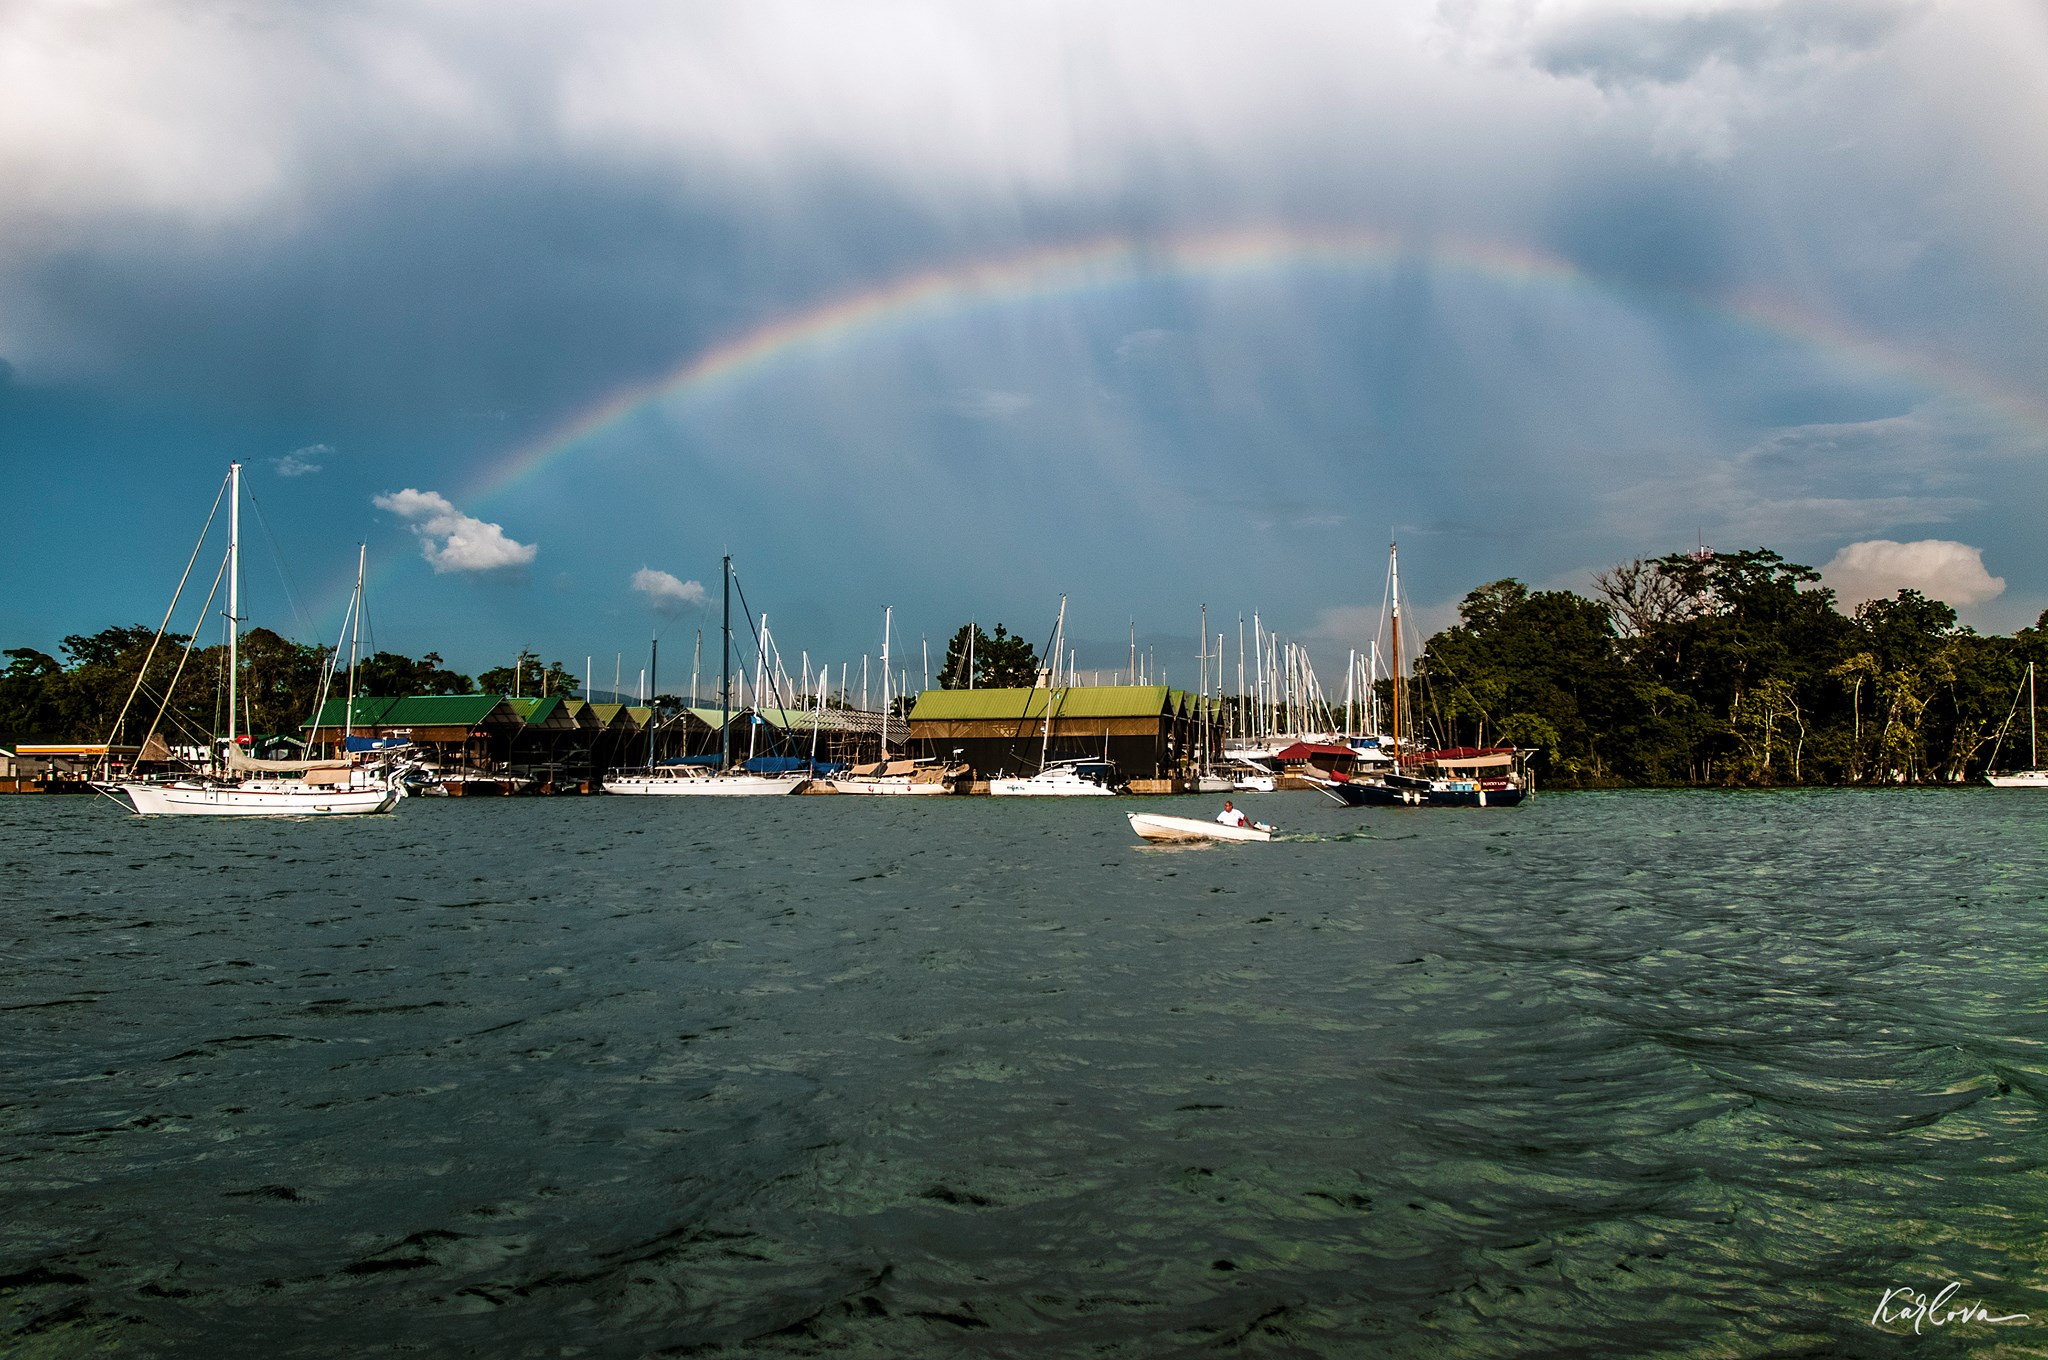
x=1169 y=830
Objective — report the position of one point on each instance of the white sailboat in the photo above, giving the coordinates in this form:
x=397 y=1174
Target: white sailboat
x=695 y=782
x=265 y=788
x=1207 y=778
x=896 y=778
x=2033 y=777
x=888 y=778
x=1061 y=778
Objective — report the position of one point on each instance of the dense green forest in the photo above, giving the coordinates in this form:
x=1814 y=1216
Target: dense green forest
x=1711 y=668
x=1725 y=669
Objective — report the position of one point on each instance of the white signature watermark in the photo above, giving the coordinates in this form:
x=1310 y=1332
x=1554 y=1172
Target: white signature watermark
x=1941 y=1308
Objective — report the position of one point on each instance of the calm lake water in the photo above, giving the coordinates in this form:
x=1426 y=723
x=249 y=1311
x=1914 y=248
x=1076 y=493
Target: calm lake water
x=1612 y=1074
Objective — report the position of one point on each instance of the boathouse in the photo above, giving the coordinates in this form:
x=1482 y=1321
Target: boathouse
x=1145 y=731
x=459 y=731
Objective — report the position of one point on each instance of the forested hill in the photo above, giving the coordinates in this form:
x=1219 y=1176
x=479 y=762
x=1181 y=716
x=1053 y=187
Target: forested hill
x=1726 y=669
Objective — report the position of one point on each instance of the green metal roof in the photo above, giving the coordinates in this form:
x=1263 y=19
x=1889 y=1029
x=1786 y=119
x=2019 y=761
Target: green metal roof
x=369 y=711
x=550 y=711
x=1020 y=705
x=441 y=710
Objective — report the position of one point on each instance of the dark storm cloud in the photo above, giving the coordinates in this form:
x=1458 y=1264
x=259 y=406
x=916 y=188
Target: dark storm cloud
x=503 y=292
x=424 y=236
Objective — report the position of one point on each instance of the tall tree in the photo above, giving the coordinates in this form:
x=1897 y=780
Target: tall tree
x=531 y=680
x=28 y=703
x=1532 y=669
x=394 y=674
x=1001 y=661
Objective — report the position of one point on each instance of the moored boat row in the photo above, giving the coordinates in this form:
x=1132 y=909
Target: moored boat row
x=1166 y=741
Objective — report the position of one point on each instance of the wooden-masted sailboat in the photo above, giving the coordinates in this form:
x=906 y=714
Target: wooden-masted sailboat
x=2033 y=777
x=894 y=778
x=243 y=785
x=1464 y=776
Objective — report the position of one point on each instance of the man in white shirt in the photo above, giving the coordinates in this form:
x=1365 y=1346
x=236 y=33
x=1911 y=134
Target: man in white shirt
x=1230 y=816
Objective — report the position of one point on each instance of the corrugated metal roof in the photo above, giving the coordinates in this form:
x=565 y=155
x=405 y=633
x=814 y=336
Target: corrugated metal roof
x=369 y=710
x=801 y=719
x=441 y=710
x=548 y=711
x=1019 y=705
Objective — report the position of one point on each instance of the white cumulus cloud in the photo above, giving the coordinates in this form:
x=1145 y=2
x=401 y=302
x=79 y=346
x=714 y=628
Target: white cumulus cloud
x=1939 y=568
x=300 y=462
x=451 y=540
x=665 y=592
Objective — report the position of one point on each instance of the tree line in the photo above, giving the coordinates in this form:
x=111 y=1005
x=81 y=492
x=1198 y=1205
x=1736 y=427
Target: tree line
x=1726 y=669
x=80 y=696
x=1691 y=669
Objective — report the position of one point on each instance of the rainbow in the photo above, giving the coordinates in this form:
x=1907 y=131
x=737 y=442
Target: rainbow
x=1113 y=262
x=1104 y=264
x=1035 y=276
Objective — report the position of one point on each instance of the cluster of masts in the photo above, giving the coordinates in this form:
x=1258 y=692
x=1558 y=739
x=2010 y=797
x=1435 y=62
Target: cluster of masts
x=1277 y=690
x=1283 y=693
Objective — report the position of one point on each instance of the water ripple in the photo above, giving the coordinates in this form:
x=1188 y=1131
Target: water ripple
x=1609 y=1075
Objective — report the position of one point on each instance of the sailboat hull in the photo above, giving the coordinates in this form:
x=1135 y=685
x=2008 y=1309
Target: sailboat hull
x=889 y=787
x=1448 y=793
x=2019 y=779
x=1048 y=788
x=229 y=800
x=708 y=786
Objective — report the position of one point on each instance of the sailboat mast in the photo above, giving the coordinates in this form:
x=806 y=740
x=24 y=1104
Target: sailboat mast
x=348 y=717
x=1237 y=713
x=1394 y=589
x=887 y=613
x=2033 y=747
x=653 y=688
x=1059 y=634
x=817 y=709
x=234 y=587
x=725 y=677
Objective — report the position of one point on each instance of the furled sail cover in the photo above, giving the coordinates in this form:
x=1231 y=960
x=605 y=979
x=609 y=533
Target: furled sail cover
x=377 y=743
x=251 y=765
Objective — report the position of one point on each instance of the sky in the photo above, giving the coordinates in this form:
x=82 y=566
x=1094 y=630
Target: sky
x=958 y=308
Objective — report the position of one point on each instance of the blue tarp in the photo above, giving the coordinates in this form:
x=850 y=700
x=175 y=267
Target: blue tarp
x=776 y=765
x=710 y=760
x=376 y=743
